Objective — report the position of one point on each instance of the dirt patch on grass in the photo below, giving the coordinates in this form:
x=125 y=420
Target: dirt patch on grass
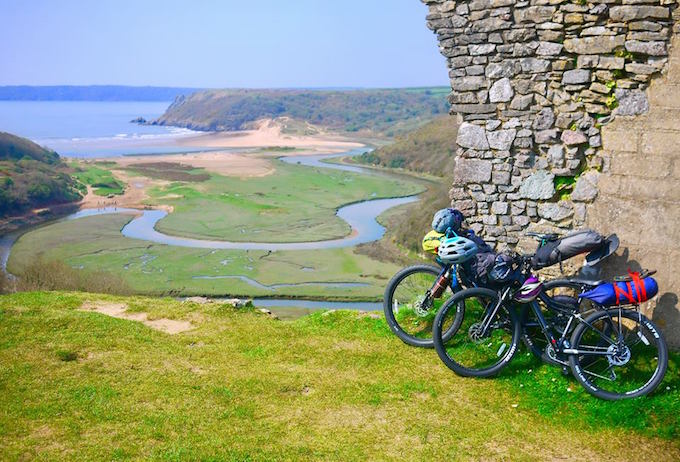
x=119 y=310
x=134 y=196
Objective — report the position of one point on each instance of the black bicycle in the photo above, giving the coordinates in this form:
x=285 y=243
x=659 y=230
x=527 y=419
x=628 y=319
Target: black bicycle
x=416 y=293
x=615 y=353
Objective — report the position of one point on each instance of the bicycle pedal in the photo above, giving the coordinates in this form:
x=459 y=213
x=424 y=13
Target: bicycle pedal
x=566 y=371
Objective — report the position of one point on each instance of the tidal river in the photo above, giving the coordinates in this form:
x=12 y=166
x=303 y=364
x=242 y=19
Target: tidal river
x=361 y=217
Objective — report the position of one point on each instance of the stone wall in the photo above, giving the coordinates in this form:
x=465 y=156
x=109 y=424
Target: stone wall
x=558 y=128
x=534 y=82
x=639 y=199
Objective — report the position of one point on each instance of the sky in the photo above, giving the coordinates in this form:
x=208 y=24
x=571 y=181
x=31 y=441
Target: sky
x=219 y=44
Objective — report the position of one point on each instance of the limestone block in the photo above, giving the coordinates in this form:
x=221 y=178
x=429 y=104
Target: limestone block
x=538 y=185
x=472 y=136
x=501 y=139
x=631 y=102
x=501 y=91
x=472 y=171
x=555 y=211
x=585 y=188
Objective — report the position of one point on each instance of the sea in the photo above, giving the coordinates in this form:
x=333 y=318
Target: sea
x=92 y=128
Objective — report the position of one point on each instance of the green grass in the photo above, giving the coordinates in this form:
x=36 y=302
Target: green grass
x=102 y=180
x=296 y=204
x=564 y=185
x=241 y=386
x=95 y=244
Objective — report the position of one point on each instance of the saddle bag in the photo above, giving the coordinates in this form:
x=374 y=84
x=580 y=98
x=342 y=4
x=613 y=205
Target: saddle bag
x=572 y=244
x=631 y=292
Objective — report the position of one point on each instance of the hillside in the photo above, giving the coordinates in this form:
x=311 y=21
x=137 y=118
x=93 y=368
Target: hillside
x=90 y=93
x=160 y=379
x=31 y=176
x=380 y=111
x=428 y=149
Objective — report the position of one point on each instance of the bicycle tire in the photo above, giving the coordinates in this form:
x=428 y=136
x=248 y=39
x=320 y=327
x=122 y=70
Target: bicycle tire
x=388 y=306
x=458 y=302
x=653 y=335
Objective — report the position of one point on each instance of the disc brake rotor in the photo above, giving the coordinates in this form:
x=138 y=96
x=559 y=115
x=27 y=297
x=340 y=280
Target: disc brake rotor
x=422 y=305
x=475 y=333
x=552 y=354
x=618 y=356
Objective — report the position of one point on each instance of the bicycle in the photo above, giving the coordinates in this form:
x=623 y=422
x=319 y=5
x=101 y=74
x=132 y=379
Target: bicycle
x=416 y=293
x=614 y=353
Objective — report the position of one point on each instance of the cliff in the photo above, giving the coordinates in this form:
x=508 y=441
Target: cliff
x=381 y=111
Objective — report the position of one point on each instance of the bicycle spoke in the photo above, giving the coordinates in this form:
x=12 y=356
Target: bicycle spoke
x=481 y=341
x=413 y=306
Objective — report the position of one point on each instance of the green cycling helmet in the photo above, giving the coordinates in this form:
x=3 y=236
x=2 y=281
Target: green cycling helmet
x=456 y=250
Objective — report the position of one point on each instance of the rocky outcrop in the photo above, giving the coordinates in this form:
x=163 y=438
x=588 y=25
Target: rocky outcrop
x=534 y=82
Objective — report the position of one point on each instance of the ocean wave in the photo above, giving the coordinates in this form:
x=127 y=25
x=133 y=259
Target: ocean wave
x=168 y=133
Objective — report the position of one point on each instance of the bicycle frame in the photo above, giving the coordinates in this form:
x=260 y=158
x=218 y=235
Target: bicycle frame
x=562 y=345
x=456 y=280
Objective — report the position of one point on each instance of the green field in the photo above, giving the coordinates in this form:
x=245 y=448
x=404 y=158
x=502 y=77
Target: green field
x=95 y=243
x=295 y=204
x=101 y=180
x=240 y=386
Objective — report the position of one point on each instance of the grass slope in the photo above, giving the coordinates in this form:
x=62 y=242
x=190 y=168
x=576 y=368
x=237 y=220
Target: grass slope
x=429 y=149
x=381 y=110
x=31 y=176
x=83 y=386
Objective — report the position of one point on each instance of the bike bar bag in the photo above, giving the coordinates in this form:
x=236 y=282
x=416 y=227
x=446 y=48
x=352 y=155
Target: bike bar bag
x=572 y=244
x=479 y=266
x=631 y=292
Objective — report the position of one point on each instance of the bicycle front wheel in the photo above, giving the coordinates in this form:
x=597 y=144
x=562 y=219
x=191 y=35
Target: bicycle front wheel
x=486 y=338
x=620 y=354
x=410 y=306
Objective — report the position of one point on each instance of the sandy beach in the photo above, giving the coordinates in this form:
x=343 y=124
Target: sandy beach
x=237 y=160
x=268 y=133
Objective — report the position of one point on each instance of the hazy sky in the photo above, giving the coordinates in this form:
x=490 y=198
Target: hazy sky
x=229 y=43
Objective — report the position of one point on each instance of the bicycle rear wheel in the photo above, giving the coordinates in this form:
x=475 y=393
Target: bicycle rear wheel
x=487 y=336
x=621 y=354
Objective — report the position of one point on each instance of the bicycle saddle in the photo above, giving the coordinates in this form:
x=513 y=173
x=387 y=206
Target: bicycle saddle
x=587 y=281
